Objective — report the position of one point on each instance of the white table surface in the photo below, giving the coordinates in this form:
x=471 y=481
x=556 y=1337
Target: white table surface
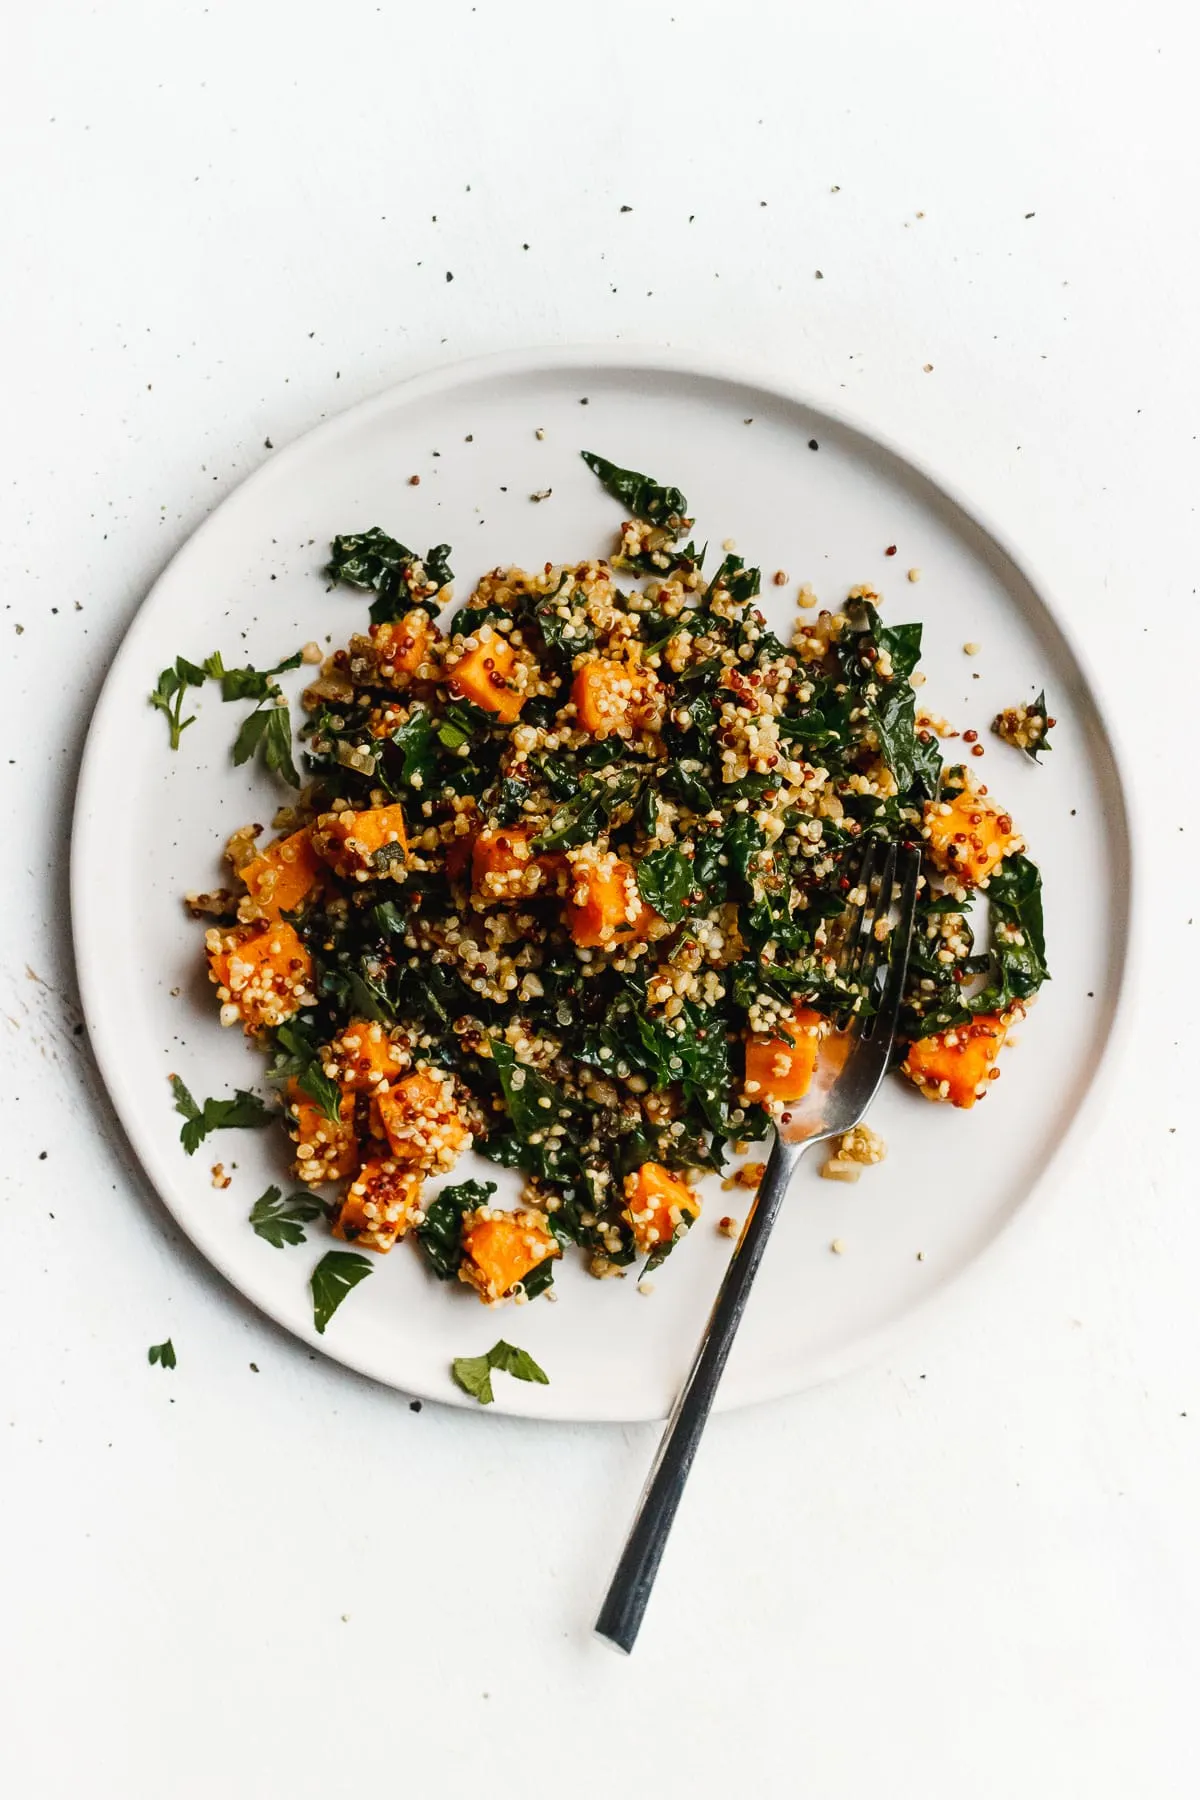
x=970 y=1573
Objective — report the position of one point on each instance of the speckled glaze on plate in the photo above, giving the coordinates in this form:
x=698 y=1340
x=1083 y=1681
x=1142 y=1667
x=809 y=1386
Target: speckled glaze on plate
x=248 y=582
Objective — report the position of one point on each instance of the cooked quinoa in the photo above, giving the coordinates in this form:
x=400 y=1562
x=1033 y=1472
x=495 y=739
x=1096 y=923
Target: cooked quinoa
x=564 y=886
x=1025 y=727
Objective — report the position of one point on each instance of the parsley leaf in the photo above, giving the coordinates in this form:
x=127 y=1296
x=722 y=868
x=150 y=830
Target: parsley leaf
x=282 y=1221
x=248 y=684
x=163 y=1354
x=215 y=1115
x=640 y=493
x=277 y=745
x=440 y=1233
x=474 y=1373
x=337 y=1272
x=168 y=695
x=250 y=736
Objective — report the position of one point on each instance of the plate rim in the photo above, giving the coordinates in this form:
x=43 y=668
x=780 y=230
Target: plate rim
x=680 y=363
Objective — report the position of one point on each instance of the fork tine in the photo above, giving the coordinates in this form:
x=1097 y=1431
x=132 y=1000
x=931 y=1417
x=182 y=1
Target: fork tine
x=884 y=1022
x=852 y=938
x=868 y=949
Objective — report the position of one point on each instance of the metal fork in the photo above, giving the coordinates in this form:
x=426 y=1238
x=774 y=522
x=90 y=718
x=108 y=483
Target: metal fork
x=849 y=1070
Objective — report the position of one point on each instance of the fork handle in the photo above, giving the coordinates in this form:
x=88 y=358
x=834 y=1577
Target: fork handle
x=629 y=1590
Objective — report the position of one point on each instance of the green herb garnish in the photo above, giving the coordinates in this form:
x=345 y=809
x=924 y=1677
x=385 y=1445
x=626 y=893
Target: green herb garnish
x=282 y=1221
x=244 y=1109
x=474 y=1373
x=169 y=692
x=337 y=1272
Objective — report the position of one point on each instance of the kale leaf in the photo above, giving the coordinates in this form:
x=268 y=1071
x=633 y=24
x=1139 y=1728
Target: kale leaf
x=440 y=1234
x=1014 y=894
x=371 y=559
x=644 y=497
x=666 y=882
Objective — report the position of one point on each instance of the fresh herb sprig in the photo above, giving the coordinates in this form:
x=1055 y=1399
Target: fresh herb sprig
x=245 y=1110
x=474 y=1373
x=170 y=692
x=281 y=1221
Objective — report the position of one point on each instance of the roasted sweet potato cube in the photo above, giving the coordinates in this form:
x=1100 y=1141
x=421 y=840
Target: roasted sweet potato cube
x=501 y=1248
x=604 y=908
x=379 y=1205
x=421 y=1119
x=657 y=1203
x=403 y=645
x=367 y=1058
x=501 y=862
x=262 y=972
x=969 y=836
x=958 y=1064
x=779 y=1072
x=353 y=842
x=486 y=675
x=604 y=692
x=324 y=1151
x=281 y=878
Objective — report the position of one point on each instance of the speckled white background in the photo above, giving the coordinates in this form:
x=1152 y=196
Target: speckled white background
x=970 y=1573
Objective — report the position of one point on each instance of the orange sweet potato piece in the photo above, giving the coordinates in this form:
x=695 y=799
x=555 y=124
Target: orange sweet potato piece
x=366 y=1057
x=958 y=1064
x=504 y=867
x=421 y=1120
x=968 y=836
x=379 y=1205
x=402 y=645
x=502 y=1248
x=498 y=852
x=324 y=1151
x=262 y=972
x=281 y=877
x=656 y=1204
x=779 y=1071
x=349 y=841
x=604 y=908
x=485 y=675
x=604 y=691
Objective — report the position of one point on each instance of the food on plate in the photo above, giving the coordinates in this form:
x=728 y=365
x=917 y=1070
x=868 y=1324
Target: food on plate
x=1026 y=728
x=562 y=885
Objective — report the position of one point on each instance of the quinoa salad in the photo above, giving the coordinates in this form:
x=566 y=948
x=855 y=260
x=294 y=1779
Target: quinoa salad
x=560 y=884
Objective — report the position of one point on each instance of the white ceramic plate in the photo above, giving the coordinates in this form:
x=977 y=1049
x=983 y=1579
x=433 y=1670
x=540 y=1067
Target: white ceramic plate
x=150 y=825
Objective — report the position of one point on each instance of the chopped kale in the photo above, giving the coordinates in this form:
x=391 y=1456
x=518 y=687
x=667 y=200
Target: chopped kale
x=643 y=496
x=440 y=1234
